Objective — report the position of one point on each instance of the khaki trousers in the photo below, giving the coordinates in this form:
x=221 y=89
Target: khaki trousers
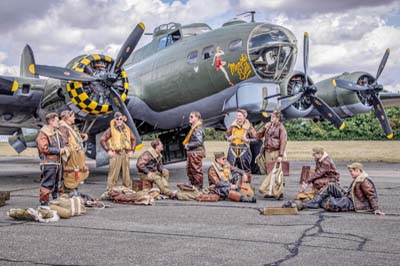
x=263 y=159
x=160 y=179
x=120 y=162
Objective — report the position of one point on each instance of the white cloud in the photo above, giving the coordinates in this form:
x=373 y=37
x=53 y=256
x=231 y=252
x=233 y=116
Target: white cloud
x=2 y=56
x=9 y=70
x=344 y=35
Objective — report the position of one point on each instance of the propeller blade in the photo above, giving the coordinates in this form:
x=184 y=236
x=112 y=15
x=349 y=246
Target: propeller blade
x=130 y=123
x=382 y=117
x=305 y=57
x=344 y=84
x=60 y=73
x=8 y=85
x=128 y=47
x=327 y=112
x=382 y=64
x=288 y=101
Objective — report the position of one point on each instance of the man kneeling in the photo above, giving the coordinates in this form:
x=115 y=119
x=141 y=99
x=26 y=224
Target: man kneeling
x=226 y=179
x=361 y=196
x=151 y=168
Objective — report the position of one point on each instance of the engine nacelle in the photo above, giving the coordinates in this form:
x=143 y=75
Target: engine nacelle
x=94 y=98
x=346 y=102
x=291 y=86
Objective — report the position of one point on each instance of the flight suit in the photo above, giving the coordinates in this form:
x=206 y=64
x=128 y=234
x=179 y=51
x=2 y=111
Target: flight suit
x=195 y=154
x=75 y=169
x=49 y=144
x=150 y=164
x=121 y=141
x=239 y=152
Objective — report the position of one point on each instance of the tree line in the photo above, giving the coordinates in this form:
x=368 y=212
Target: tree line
x=360 y=127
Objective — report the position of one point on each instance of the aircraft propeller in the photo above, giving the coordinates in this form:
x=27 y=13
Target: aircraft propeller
x=309 y=91
x=371 y=91
x=8 y=85
x=109 y=78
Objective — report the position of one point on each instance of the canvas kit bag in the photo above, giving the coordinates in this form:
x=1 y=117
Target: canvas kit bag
x=273 y=184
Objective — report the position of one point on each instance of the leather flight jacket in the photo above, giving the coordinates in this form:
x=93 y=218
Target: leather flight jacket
x=325 y=172
x=196 y=141
x=49 y=143
x=149 y=161
x=275 y=137
x=363 y=193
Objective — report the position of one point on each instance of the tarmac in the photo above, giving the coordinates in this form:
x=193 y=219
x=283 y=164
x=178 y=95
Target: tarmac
x=192 y=233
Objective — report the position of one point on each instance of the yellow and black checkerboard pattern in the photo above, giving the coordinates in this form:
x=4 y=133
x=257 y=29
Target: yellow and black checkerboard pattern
x=81 y=99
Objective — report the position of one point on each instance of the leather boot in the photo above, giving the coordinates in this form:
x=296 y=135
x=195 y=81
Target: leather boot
x=248 y=199
x=44 y=196
x=234 y=195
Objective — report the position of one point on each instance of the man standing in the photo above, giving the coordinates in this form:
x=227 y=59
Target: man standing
x=50 y=147
x=151 y=168
x=226 y=179
x=275 y=140
x=239 y=134
x=75 y=169
x=361 y=196
x=325 y=170
x=194 y=145
x=120 y=143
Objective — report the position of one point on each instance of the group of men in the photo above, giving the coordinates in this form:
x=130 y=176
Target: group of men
x=60 y=146
x=62 y=158
x=327 y=193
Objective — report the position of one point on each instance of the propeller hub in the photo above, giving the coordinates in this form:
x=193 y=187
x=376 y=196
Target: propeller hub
x=95 y=97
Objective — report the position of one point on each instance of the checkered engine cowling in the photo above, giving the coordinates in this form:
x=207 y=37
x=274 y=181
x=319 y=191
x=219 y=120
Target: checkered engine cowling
x=95 y=97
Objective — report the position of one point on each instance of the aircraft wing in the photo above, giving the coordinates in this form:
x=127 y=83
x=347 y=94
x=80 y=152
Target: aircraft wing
x=390 y=99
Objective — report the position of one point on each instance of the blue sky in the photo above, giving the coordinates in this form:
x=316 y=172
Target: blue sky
x=345 y=35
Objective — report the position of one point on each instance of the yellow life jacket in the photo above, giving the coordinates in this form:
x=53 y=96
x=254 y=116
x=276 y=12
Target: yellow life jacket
x=239 y=131
x=224 y=173
x=120 y=139
x=187 y=138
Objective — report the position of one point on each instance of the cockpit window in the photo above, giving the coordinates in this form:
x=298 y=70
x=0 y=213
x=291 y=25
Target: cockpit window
x=169 y=39
x=193 y=31
x=192 y=57
x=235 y=45
x=162 y=43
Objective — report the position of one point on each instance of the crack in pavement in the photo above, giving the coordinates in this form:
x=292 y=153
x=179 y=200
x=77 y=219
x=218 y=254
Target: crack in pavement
x=293 y=248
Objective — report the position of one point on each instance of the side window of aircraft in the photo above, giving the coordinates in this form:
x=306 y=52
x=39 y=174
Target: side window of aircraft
x=192 y=57
x=208 y=52
x=170 y=39
x=162 y=43
x=175 y=36
x=235 y=45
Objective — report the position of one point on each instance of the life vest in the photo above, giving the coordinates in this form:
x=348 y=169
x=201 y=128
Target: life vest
x=120 y=138
x=224 y=173
x=239 y=131
x=187 y=138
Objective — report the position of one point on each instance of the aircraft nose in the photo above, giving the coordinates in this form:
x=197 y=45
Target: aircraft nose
x=272 y=50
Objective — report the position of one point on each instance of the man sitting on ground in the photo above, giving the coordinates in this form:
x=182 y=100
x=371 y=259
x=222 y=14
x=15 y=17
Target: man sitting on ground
x=151 y=168
x=360 y=197
x=226 y=179
x=325 y=171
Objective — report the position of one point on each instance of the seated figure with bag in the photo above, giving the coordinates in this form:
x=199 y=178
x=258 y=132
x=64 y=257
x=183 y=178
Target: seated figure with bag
x=228 y=181
x=325 y=172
